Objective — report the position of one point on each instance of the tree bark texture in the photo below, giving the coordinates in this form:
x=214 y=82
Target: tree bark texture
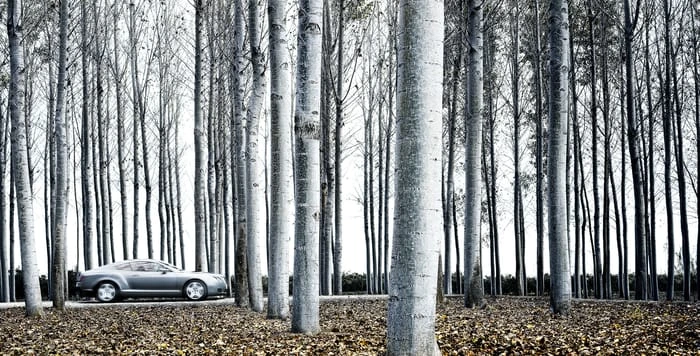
x=417 y=215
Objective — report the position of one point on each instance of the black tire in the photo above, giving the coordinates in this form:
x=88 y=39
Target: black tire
x=107 y=292
x=195 y=290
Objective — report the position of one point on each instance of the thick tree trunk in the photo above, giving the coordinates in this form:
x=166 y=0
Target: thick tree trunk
x=411 y=315
x=282 y=177
x=305 y=315
x=473 y=288
x=560 y=282
x=20 y=162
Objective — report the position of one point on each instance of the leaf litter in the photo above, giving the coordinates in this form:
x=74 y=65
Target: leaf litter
x=507 y=325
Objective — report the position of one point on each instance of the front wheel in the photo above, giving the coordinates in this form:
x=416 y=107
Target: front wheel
x=195 y=290
x=106 y=292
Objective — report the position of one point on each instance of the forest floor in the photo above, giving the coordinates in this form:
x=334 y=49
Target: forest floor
x=507 y=325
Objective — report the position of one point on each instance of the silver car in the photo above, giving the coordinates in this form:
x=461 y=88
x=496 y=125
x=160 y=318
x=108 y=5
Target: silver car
x=148 y=278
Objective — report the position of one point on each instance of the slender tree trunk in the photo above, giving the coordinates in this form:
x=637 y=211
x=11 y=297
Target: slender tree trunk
x=473 y=287
x=517 y=217
x=121 y=141
x=4 y=238
x=255 y=182
x=305 y=315
x=633 y=137
x=199 y=192
x=60 y=217
x=605 y=286
x=411 y=315
x=449 y=193
x=241 y=269
x=696 y=81
x=20 y=162
x=11 y=225
x=103 y=161
x=680 y=172
x=623 y=274
x=539 y=165
x=337 y=160
x=667 y=122
x=576 y=288
x=85 y=166
x=594 y=134
x=282 y=178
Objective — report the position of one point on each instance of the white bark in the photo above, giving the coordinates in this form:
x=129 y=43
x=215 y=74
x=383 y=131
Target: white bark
x=560 y=284
x=305 y=316
x=473 y=288
x=59 y=245
x=282 y=177
x=255 y=179
x=20 y=162
x=200 y=219
x=417 y=215
x=241 y=268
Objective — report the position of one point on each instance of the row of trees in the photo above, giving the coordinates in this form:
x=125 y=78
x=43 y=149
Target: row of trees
x=626 y=89
x=451 y=73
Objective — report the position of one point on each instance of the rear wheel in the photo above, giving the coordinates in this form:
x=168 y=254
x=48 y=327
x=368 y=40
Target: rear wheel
x=195 y=290
x=107 y=292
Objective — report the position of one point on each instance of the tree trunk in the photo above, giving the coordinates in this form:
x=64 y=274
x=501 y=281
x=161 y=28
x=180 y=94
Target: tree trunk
x=118 y=76
x=337 y=160
x=680 y=173
x=4 y=238
x=560 y=279
x=241 y=268
x=85 y=166
x=576 y=288
x=305 y=315
x=473 y=289
x=450 y=191
x=255 y=183
x=20 y=162
x=282 y=178
x=517 y=217
x=539 y=165
x=60 y=217
x=633 y=136
x=103 y=159
x=594 y=134
x=667 y=122
x=605 y=286
x=199 y=208
x=696 y=80
x=411 y=314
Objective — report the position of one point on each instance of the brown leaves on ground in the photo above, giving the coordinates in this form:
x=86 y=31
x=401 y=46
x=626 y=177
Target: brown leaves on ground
x=357 y=327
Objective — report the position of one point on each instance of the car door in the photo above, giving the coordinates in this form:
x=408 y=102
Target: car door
x=150 y=278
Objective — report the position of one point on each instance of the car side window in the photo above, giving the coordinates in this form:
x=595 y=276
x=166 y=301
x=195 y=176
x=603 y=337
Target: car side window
x=123 y=266
x=142 y=266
